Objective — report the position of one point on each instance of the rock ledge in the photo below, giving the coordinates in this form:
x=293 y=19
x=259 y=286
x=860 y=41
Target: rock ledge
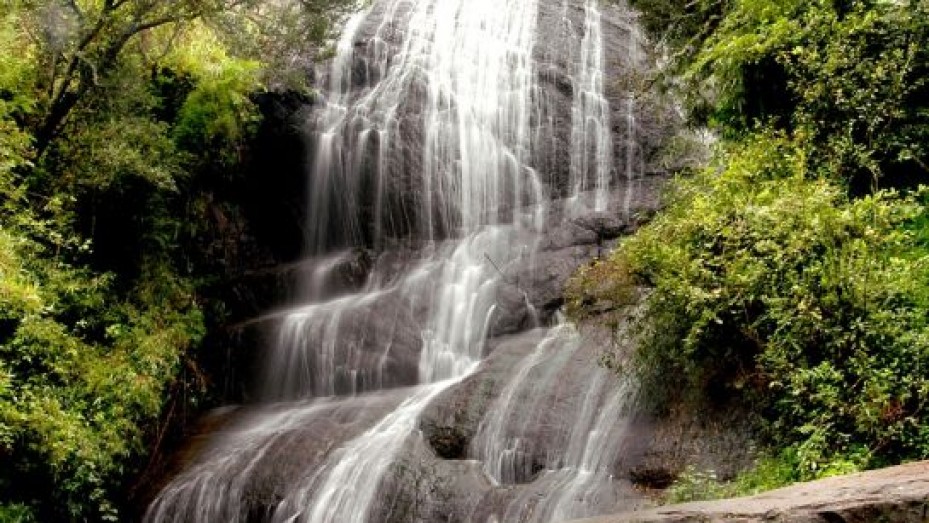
x=895 y=494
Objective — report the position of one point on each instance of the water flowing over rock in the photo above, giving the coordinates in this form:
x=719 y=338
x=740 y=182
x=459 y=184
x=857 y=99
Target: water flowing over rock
x=466 y=157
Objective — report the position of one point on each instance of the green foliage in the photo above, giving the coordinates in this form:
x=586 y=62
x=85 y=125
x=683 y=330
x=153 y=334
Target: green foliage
x=16 y=514
x=859 y=80
x=783 y=275
x=849 y=77
x=16 y=70
x=696 y=485
x=111 y=114
x=287 y=37
x=106 y=155
x=74 y=402
x=777 y=287
x=700 y=485
x=218 y=112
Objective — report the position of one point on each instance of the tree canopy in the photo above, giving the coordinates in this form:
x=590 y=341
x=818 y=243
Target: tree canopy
x=113 y=116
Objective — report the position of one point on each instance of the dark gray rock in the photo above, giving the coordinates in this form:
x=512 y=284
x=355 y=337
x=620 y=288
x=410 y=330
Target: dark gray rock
x=705 y=437
x=457 y=412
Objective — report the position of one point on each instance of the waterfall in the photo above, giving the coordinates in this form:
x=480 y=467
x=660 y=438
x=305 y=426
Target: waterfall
x=591 y=143
x=585 y=432
x=634 y=164
x=443 y=157
x=504 y=456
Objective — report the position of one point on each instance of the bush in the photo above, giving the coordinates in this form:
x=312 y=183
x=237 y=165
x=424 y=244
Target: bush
x=699 y=485
x=80 y=380
x=776 y=287
x=849 y=78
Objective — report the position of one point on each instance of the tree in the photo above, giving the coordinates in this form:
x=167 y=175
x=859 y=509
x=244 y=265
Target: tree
x=83 y=40
x=116 y=117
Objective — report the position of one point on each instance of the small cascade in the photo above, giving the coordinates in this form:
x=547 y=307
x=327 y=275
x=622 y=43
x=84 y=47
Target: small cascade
x=458 y=152
x=585 y=483
x=253 y=454
x=559 y=424
x=634 y=165
x=502 y=441
x=591 y=140
x=344 y=489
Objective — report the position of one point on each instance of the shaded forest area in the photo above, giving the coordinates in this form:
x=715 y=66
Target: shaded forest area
x=125 y=128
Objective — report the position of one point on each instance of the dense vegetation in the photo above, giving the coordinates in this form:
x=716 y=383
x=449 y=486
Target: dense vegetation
x=792 y=273
x=114 y=117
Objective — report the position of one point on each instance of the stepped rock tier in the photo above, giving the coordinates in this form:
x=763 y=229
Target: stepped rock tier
x=466 y=156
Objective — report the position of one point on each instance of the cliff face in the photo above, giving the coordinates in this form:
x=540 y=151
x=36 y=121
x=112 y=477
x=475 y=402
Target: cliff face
x=340 y=294
x=263 y=219
x=895 y=494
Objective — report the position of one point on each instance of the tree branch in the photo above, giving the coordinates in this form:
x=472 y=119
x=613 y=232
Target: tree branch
x=73 y=85
x=77 y=10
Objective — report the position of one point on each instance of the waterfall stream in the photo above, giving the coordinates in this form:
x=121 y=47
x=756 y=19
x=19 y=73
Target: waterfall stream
x=456 y=146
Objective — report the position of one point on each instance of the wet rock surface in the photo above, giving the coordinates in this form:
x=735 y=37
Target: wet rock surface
x=893 y=495
x=534 y=394
x=249 y=458
x=565 y=244
x=424 y=265
x=713 y=438
x=457 y=412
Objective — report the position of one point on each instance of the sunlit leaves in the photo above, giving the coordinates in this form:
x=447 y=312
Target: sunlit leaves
x=218 y=110
x=850 y=79
x=765 y=276
x=73 y=405
x=16 y=72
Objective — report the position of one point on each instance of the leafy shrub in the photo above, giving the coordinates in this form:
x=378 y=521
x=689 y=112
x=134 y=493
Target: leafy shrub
x=16 y=514
x=74 y=403
x=850 y=78
x=699 y=485
x=783 y=275
x=777 y=287
x=117 y=119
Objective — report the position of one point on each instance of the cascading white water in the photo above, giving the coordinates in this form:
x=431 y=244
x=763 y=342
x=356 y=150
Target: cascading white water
x=633 y=165
x=426 y=152
x=464 y=69
x=214 y=488
x=344 y=489
x=467 y=68
x=505 y=459
x=591 y=141
x=582 y=448
x=473 y=61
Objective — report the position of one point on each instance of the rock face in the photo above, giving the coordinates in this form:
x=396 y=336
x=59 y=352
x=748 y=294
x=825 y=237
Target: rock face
x=705 y=437
x=466 y=158
x=892 y=495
